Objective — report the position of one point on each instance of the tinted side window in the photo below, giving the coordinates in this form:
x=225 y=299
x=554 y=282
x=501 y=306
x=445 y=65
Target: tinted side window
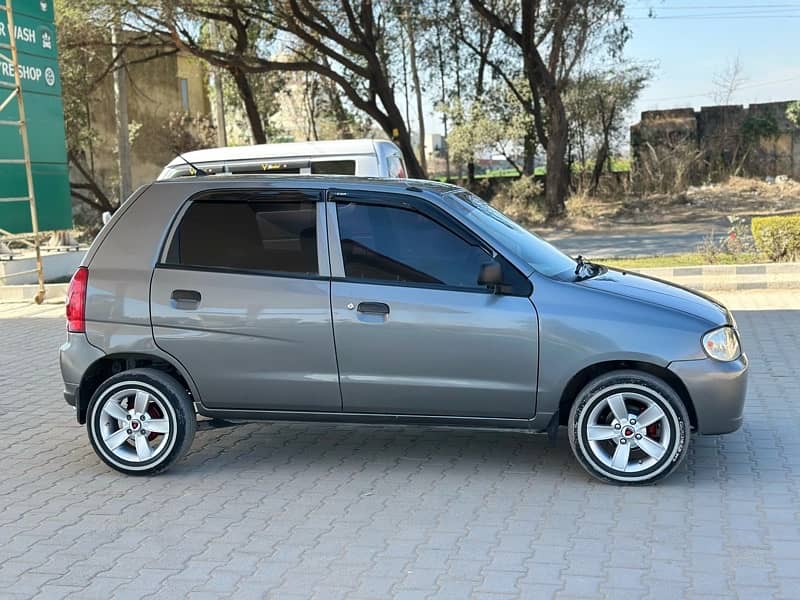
x=277 y=236
x=383 y=243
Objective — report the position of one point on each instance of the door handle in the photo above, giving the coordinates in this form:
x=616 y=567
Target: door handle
x=375 y=308
x=185 y=299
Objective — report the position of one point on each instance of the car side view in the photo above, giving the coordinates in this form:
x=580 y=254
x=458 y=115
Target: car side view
x=335 y=298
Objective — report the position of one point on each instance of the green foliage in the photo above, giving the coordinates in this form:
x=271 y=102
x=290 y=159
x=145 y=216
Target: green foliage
x=793 y=113
x=757 y=127
x=778 y=237
x=79 y=56
x=494 y=125
x=597 y=104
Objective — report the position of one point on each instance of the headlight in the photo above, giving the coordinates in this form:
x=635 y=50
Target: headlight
x=722 y=344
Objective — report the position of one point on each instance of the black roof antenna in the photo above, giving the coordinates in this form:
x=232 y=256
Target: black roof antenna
x=197 y=170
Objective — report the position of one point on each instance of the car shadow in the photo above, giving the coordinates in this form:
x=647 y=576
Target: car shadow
x=748 y=455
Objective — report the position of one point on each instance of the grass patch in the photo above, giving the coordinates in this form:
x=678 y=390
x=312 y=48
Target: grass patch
x=694 y=259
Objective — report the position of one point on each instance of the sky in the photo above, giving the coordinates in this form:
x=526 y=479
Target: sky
x=690 y=43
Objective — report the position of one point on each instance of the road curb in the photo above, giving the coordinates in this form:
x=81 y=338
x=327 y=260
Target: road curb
x=731 y=277
x=55 y=293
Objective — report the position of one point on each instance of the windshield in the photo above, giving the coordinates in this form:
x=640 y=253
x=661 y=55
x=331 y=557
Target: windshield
x=540 y=255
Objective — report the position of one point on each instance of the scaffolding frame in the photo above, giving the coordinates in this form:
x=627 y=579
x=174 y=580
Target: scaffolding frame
x=21 y=124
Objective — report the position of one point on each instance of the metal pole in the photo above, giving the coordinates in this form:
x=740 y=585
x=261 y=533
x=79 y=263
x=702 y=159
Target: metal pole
x=26 y=152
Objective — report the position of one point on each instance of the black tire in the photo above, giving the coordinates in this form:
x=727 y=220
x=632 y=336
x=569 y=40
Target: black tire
x=639 y=391
x=167 y=401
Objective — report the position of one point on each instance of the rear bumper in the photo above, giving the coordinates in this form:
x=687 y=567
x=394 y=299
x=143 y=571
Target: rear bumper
x=71 y=393
x=717 y=390
x=75 y=356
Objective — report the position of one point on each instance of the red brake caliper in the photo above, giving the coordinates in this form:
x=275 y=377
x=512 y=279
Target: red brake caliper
x=154 y=413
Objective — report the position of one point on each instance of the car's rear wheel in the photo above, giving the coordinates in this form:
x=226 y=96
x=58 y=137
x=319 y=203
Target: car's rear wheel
x=629 y=427
x=140 y=421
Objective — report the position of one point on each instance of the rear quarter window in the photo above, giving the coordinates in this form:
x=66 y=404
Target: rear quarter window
x=271 y=235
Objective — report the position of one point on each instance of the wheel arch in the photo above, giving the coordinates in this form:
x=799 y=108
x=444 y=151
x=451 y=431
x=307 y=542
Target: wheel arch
x=585 y=375
x=111 y=364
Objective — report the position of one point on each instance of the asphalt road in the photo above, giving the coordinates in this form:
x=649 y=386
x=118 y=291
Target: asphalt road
x=641 y=241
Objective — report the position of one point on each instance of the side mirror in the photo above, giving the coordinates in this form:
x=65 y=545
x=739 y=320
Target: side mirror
x=491 y=274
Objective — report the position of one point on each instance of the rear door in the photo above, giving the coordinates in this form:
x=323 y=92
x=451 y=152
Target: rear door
x=415 y=334
x=242 y=299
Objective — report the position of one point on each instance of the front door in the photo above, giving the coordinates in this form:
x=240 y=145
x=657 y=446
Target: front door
x=415 y=333
x=242 y=300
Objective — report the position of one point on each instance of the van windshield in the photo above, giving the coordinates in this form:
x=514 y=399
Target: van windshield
x=539 y=254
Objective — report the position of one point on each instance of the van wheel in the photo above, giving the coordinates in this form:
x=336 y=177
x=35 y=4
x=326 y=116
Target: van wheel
x=140 y=421
x=629 y=427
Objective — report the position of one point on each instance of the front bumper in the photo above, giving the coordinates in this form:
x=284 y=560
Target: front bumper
x=717 y=390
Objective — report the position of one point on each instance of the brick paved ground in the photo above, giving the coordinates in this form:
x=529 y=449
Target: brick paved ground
x=331 y=511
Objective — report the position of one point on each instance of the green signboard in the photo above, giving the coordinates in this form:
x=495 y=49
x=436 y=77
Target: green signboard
x=34 y=34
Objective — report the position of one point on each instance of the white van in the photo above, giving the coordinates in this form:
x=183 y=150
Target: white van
x=369 y=158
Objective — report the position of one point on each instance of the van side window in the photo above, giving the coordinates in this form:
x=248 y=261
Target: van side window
x=382 y=243
x=333 y=167
x=277 y=237
x=395 y=166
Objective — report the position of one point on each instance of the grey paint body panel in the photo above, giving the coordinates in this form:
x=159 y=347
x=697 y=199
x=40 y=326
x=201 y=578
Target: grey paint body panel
x=719 y=390
x=267 y=347
x=75 y=357
x=437 y=352
x=253 y=342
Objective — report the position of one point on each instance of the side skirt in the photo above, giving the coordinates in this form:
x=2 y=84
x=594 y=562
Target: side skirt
x=539 y=424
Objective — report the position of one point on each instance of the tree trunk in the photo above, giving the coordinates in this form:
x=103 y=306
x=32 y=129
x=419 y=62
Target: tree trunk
x=250 y=106
x=557 y=180
x=529 y=153
x=394 y=125
x=403 y=141
x=412 y=55
x=600 y=163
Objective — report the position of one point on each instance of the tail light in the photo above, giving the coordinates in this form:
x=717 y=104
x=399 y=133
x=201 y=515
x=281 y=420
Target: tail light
x=76 y=301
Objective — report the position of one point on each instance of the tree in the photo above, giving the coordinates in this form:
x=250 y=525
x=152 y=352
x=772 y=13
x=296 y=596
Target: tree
x=597 y=102
x=346 y=41
x=551 y=37
x=793 y=113
x=495 y=125
x=87 y=58
x=200 y=28
x=409 y=18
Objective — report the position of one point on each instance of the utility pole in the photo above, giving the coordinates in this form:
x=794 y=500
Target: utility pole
x=121 y=114
x=222 y=134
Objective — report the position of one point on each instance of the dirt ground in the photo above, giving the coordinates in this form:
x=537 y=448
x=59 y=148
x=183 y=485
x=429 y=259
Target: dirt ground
x=699 y=207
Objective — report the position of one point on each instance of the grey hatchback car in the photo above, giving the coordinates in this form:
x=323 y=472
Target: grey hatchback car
x=344 y=299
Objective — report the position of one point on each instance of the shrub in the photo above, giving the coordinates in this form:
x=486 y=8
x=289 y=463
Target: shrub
x=583 y=206
x=777 y=237
x=521 y=201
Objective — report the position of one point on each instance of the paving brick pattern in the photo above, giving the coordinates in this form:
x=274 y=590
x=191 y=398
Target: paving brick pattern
x=333 y=511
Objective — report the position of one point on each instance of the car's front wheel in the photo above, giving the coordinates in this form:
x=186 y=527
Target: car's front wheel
x=629 y=427
x=140 y=421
